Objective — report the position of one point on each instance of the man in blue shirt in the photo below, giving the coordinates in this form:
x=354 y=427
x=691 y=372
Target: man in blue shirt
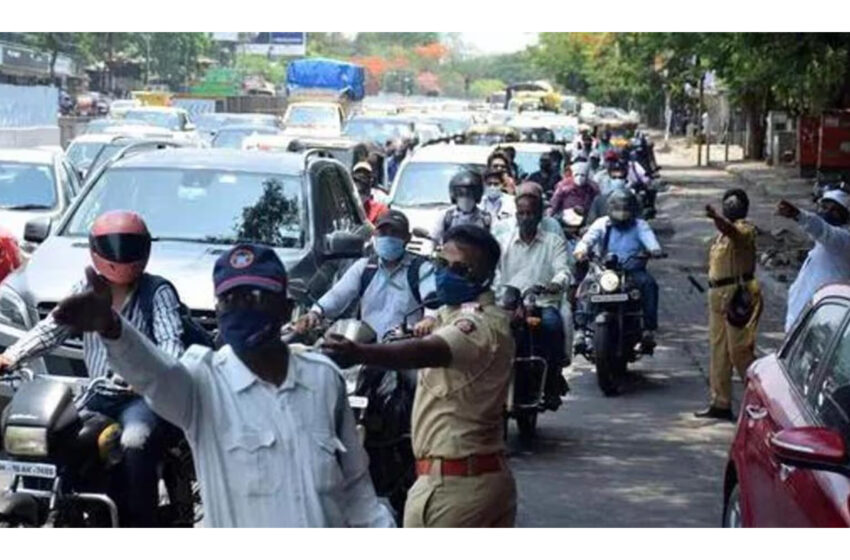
x=623 y=234
x=388 y=285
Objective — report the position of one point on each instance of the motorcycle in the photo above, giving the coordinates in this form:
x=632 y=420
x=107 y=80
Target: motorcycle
x=827 y=182
x=62 y=456
x=530 y=369
x=610 y=306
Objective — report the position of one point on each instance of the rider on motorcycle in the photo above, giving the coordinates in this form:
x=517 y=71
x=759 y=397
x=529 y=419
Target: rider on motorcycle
x=615 y=168
x=533 y=256
x=625 y=235
x=466 y=189
x=388 y=285
x=120 y=246
x=604 y=143
x=577 y=191
x=584 y=143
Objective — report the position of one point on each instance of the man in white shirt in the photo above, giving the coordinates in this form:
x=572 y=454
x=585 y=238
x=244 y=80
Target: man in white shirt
x=829 y=259
x=533 y=256
x=272 y=435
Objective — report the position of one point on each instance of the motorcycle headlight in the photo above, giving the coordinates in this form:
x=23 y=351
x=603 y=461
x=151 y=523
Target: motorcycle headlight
x=609 y=281
x=13 y=310
x=25 y=441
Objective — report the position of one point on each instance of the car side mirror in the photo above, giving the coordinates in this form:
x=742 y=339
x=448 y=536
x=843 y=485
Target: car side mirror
x=813 y=448
x=37 y=230
x=343 y=245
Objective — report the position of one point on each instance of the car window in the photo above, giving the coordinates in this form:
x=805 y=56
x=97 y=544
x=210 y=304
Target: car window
x=65 y=182
x=811 y=343
x=426 y=183
x=831 y=402
x=343 y=211
x=26 y=185
x=75 y=181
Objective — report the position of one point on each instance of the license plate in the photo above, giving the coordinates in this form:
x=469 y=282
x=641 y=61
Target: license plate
x=358 y=402
x=40 y=470
x=609 y=298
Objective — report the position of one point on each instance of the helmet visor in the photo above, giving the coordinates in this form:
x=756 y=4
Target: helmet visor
x=122 y=247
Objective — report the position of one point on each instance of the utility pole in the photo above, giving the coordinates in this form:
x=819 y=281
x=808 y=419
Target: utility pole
x=699 y=117
x=147 y=37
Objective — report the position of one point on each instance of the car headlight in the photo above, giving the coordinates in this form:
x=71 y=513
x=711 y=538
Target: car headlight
x=25 y=441
x=609 y=281
x=13 y=310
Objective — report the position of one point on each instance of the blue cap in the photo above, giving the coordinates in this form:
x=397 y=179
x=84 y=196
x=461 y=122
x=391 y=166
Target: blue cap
x=257 y=266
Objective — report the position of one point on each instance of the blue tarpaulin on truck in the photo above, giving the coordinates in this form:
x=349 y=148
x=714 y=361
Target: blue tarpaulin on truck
x=325 y=73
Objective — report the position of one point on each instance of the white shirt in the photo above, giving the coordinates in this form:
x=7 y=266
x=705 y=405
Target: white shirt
x=265 y=456
x=523 y=265
x=827 y=262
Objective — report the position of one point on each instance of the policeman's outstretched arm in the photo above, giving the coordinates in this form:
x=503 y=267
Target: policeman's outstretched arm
x=165 y=382
x=431 y=351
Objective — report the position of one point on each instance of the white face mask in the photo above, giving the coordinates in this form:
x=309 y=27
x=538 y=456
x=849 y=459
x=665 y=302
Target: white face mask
x=465 y=203
x=580 y=180
x=494 y=193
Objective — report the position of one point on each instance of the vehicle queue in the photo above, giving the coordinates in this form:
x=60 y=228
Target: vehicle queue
x=385 y=298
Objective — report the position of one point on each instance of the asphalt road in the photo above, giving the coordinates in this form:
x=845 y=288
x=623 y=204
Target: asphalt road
x=642 y=459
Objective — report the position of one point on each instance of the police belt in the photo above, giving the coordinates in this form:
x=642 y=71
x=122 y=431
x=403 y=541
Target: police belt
x=472 y=465
x=729 y=281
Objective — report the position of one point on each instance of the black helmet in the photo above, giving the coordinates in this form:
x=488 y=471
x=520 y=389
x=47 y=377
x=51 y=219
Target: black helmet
x=622 y=207
x=468 y=181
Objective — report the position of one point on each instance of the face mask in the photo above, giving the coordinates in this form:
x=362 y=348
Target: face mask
x=579 y=180
x=453 y=289
x=247 y=329
x=389 y=248
x=465 y=203
x=831 y=218
x=493 y=193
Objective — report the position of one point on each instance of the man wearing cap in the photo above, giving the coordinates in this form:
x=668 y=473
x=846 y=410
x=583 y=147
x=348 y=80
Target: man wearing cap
x=531 y=256
x=388 y=285
x=829 y=259
x=364 y=181
x=273 y=438
x=456 y=429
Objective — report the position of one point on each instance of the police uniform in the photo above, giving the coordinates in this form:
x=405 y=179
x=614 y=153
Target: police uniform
x=464 y=479
x=729 y=264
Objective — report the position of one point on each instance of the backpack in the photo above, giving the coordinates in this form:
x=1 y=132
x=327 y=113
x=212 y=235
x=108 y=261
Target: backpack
x=412 y=275
x=449 y=218
x=193 y=332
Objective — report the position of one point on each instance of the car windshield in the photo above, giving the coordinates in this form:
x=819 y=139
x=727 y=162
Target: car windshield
x=26 y=186
x=427 y=183
x=313 y=117
x=527 y=162
x=376 y=131
x=226 y=206
x=156 y=118
x=234 y=138
x=83 y=154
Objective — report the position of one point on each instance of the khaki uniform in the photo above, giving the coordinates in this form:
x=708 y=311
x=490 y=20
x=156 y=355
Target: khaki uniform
x=457 y=412
x=731 y=346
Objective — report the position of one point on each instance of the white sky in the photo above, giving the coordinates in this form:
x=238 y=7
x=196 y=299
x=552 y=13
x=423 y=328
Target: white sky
x=499 y=42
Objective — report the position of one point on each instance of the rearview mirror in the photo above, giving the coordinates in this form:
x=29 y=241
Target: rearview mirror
x=811 y=448
x=37 y=230
x=343 y=245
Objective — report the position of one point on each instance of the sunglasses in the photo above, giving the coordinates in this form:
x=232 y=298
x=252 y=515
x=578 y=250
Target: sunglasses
x=461 y=269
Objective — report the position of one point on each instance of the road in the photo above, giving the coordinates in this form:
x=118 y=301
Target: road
x=642 y=459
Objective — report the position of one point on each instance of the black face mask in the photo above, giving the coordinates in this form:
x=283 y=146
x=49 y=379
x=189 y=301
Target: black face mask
x=734 y=209
x=528 y=226
x=832 y=218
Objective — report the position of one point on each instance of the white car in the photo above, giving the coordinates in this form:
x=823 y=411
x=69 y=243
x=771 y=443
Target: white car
x=87 y=150
x=174 y=119
x=118 y=108
x=314 y=118
x=421 y=186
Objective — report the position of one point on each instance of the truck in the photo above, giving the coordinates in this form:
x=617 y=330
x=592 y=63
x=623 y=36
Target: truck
x=321 y=94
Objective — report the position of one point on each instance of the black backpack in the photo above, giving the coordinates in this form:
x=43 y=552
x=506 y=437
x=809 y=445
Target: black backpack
x=449 y=218
x=193 y=332
x=412 y=275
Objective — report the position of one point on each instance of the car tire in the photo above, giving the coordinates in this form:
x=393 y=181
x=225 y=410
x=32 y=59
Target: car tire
x=732 y=517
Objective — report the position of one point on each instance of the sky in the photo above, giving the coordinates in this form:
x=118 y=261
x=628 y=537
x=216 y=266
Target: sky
x=499 y=42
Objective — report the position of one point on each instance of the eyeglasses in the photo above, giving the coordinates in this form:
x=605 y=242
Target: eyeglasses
x=461 y=269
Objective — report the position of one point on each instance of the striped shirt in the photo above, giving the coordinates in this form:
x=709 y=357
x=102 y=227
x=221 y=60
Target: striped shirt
x=166 y=332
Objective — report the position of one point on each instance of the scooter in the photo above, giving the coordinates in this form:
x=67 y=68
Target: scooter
x=61 y=457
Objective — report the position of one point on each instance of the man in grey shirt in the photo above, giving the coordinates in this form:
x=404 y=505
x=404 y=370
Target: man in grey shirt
x=273 y=437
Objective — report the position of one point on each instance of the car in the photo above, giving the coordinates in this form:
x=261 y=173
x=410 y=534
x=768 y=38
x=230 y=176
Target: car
x=197 y=204
x=314 y=118
x=788 y=464
x=421 y=186
x=489 y=134
x=528 y=156
x=34 y=183
x=174 y=119
x=379 y=130
x=88 y=149
x=95 y=126
x=210 y=123
x=232 y=136
x=119 y=107
x=341 y=149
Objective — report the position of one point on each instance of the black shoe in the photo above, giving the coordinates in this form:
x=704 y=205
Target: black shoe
x=715 y=412
x=647 y=343
x=551 y=402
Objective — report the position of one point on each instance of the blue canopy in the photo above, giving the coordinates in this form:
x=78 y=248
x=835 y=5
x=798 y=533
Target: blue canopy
x=325 y=73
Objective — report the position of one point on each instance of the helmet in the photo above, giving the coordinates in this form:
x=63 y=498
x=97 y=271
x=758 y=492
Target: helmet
x=468 y=181
x=120 y=245
x=622 y=207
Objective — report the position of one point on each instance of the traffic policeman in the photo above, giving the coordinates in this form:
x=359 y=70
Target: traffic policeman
x=464 y=479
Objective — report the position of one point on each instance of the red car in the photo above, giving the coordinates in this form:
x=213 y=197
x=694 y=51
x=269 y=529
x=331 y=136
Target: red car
x=788 y=466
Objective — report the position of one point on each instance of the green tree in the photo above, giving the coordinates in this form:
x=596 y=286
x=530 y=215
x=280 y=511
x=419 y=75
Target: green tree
x=485 y=87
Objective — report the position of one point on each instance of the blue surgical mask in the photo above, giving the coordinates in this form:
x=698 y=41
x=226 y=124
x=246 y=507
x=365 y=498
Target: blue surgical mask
x=389 y=248
x=247 y=329
x=493 y=193
x=453 y=289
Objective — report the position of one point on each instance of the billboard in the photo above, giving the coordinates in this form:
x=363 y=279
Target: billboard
x=276 y=44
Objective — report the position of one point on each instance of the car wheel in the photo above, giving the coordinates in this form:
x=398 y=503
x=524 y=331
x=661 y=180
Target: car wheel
x=732 y=517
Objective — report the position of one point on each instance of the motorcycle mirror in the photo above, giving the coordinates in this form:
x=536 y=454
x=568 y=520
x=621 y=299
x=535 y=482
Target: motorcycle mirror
x=421 y=232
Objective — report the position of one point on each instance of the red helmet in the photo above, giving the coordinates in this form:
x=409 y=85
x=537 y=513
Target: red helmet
x=120 y=245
